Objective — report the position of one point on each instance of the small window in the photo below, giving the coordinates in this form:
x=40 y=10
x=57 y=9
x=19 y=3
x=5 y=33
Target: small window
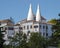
x=24 y=27
x=43 y=34
x=40 y=26
x=31 y=26
x=27 y=27
x=20 y=28
x=28 y=33
x=5 y=28
x=46 y=34
x=36 y=26
x=46 y=27
x=10 y=28
x=0 y=23
x=43 y=27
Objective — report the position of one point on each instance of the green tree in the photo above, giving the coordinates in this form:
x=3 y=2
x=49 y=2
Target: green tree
x=36 y=41
x=24 y=42
x=52 y=21
x=19 y=40
x=56 y=33
x=1 y=38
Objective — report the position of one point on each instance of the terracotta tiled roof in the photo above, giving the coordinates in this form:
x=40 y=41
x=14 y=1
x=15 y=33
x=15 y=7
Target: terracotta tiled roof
x=8 y=21
x=25 y=20
x=17 y=25
x=10 y=25
x=43 y=18
x=5 y=21
x=35 y=22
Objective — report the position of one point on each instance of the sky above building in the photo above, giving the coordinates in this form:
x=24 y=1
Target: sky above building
x=18 y=9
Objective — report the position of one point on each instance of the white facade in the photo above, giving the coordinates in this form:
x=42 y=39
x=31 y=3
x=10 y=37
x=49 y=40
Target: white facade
x=8 y=27
x=37 y=24
x=33 y=23
x=43 y=28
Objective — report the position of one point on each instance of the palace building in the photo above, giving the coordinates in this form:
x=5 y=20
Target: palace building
x=33 y=23
x=36 y=23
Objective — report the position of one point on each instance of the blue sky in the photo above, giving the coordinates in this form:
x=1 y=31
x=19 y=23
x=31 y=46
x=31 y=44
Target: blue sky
x=18 y=9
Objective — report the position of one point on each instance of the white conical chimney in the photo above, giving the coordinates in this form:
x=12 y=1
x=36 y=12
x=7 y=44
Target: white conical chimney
x=38 y=14
x=30 y=14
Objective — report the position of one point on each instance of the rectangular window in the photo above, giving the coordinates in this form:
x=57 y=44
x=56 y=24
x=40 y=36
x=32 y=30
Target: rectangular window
x=36 y=26
x=10 y=28
x=43 y=27
x=40 y=26
x=20 y=28
x=43 y=34
x=46 y=27
x=31 y=26
x=27 y=27
x=46 y=34
x=0 y=23
x=24 y=27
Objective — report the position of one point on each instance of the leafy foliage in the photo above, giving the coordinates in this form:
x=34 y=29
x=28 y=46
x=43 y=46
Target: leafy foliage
x=55 y=38
x=19 y=40
x=52 y=21
x=1 y=38
x=36 y=41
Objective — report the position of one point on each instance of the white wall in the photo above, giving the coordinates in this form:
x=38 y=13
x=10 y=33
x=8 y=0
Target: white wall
x=27 y=24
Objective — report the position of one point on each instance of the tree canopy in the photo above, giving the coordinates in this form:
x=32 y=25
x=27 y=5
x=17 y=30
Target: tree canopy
x=1 y=38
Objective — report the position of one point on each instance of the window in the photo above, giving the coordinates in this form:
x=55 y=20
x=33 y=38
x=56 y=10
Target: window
x=31 y=26
x=40 y=26
x=43 y=34
x=28 y=33
x=46 y=34
x=0 y=23
x=43 y=27
x=24 y=27
x=5 y=28
x=27 y=27
x=36 y=26
x=20 y=28
x=10 y=28
x=46 y=27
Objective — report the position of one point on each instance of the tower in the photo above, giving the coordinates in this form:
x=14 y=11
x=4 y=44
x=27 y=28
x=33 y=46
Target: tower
x=38 y=14
x=30 y=14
